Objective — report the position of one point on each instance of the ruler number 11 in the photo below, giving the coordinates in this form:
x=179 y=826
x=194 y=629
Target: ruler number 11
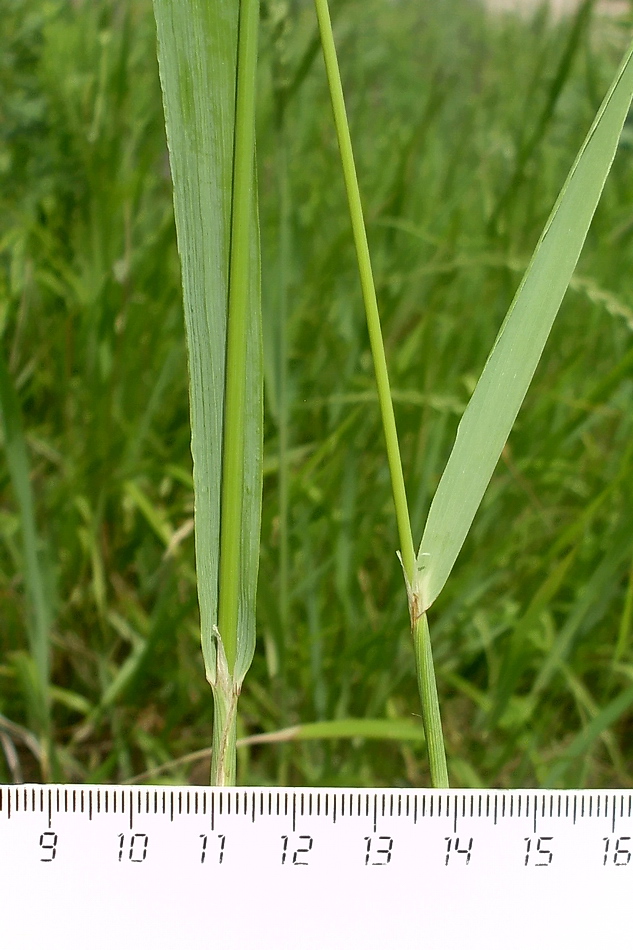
x=221 y=842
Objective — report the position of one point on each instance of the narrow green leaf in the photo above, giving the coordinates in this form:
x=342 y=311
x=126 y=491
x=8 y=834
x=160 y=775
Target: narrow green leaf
x=494 y=405
x=395 y=730
x=588 y=735
x=197 y=52
x=40 y=609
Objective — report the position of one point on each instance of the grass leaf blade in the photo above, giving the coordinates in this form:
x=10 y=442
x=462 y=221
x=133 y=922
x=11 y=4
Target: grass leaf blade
x=41 y=610
x=494 y=405
x=215 y=205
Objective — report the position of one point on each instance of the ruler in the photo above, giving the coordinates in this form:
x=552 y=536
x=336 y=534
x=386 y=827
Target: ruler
x=306 y=868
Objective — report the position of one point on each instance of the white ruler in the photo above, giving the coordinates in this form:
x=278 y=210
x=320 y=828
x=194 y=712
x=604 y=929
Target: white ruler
x=313 y=869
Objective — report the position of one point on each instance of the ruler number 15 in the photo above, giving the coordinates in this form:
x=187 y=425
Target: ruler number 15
x=542 y=856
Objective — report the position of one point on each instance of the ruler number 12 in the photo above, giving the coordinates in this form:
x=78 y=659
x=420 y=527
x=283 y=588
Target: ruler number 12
x=307 y=843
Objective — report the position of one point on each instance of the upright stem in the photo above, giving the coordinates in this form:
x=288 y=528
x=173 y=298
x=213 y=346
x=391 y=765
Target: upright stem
x=367 y=284
x=419 y=626
x=225 y=689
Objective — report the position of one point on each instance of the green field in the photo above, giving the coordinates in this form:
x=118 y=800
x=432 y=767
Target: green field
x=464 y=127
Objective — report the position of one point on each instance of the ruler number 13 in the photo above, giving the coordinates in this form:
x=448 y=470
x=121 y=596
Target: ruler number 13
x=382 y=854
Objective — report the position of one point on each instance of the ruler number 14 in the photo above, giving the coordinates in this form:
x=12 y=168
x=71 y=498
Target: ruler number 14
x=453 y=844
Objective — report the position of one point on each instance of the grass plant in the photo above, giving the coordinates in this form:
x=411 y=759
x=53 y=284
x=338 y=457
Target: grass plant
x=532 y=631
x=212 y=153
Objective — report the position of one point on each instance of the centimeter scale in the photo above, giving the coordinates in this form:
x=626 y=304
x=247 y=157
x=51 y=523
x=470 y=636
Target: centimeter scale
x=306 y=868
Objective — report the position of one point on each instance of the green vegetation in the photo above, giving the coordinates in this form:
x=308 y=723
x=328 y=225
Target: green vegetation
x=211 y=138
x=464 y=129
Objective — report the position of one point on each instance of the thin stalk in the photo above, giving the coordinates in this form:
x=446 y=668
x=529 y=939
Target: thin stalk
x=419 y=626
x=234 y=407
x=367 y=285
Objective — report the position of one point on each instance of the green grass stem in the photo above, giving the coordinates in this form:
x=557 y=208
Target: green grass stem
x=419 y=625
x=368 y=288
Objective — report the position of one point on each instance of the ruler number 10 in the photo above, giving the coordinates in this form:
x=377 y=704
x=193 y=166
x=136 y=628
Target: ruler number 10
x=137 y=849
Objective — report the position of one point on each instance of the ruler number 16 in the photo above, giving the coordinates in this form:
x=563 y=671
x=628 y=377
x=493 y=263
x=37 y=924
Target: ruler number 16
x=621 y=853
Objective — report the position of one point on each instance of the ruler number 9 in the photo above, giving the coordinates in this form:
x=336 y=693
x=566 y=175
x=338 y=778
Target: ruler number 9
x=48 y=844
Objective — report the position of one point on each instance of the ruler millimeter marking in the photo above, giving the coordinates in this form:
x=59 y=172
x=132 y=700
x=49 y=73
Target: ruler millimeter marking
x=308 y=868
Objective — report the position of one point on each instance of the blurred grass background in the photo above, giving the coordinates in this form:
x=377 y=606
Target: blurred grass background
x=465 y=125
